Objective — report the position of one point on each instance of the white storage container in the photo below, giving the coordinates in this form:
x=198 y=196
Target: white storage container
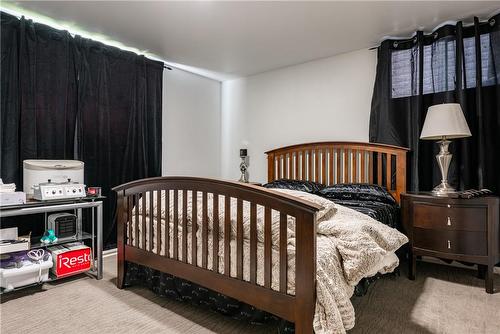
x=28 y=274
x=40 y=171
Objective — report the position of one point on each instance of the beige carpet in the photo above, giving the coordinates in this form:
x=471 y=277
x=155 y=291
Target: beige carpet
x=441 y=300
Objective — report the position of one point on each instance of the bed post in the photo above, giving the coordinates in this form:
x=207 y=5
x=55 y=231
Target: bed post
x=270 y=167
x=305 y=282
x=121 y=220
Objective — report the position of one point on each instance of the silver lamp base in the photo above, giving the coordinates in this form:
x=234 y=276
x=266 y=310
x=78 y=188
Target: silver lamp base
x=444 y=159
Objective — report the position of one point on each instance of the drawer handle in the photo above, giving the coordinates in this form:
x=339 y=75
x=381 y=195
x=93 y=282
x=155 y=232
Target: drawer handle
x=449 y=244
x=448 y=222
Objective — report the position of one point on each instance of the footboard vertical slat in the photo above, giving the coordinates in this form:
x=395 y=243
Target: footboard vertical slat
x=130 y=205
x=158 y=222
x=215 y=234
x=204 y=231
x=184 y=225
x=194 y=228
x=253 y=243
x=175 y=237
x=267 y=247
x=283 y=252
x=305 y=272
x=239 y=239
x=143 y=218
x=167 y=222
x=136 y=225
x=151 y=219
x=227 y=235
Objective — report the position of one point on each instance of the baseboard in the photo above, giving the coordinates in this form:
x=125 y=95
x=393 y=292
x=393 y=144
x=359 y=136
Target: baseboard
x=109 y=252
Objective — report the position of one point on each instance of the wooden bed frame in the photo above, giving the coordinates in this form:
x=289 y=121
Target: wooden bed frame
x=326 y=162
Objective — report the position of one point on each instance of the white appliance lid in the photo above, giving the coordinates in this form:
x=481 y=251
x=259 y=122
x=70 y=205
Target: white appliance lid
x=52 y=164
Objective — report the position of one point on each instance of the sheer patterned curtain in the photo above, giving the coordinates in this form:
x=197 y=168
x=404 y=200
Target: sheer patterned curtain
x=455 y=63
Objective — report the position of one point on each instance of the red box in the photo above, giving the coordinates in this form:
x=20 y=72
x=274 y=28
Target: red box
x=70 y=259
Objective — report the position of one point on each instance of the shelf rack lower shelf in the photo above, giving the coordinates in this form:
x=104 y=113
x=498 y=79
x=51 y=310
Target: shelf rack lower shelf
x=83 y=236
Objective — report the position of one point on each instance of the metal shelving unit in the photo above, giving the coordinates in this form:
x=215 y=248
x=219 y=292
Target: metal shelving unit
x=78 y=205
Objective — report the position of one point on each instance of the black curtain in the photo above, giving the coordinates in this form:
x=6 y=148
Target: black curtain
x=66 y=97
x=455 y=63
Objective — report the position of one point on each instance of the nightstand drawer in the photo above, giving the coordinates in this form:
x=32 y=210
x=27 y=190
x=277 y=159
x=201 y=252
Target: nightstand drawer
x=456 y=242
x=444 y=217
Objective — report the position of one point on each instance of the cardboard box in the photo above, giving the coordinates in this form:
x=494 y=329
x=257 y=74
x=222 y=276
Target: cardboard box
x=70 y=259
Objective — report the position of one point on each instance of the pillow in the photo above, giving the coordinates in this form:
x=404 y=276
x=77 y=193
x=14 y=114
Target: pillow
x=328 y=208
x=357 y=191
x=306 y=186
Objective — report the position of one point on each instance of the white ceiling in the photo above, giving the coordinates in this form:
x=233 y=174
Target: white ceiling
x=244 y=38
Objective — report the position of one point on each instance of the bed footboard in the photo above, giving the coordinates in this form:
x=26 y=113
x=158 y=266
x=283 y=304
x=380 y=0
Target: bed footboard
x=180 y=255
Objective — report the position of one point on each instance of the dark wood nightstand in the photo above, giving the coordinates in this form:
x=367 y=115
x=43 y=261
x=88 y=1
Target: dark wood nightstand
x=453 y=228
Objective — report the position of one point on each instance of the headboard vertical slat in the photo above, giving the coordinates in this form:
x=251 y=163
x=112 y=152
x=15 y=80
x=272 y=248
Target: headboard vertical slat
x=388 y=174
x=337 y=157
x=379 y=169
x=296 y=171
x=330 y=167
x=316 y=166
x=340 y=162
x=354 y=166
x=323 y=166
x=346 y=166
x=370 y=167
x=363 y=167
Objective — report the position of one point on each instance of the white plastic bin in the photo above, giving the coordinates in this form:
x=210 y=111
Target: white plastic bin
x=28 y=274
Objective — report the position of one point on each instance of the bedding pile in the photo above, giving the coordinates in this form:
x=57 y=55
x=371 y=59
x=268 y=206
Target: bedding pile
x=350 y=246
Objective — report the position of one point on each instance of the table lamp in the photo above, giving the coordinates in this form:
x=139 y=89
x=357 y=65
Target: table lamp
x=443 y=122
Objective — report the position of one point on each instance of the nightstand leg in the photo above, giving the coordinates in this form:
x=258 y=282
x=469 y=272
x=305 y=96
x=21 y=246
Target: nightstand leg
x=412 y=270
x=488 y=283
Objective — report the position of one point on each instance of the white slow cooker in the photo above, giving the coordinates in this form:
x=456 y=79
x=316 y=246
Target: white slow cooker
x=36 y=172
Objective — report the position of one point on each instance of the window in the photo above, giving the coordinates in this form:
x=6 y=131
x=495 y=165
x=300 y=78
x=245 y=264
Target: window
x=439 y=71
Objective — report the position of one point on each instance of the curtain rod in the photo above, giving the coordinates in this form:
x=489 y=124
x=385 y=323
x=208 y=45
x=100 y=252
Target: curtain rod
x=167 y=67
x=490 y=21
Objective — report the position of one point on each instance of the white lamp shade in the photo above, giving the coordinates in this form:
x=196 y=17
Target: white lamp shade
x=445 y=121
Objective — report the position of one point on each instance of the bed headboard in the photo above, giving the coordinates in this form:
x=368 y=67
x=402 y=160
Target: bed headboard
x=341 y=162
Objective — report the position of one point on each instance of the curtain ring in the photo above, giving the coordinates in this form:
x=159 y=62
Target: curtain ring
x=395 y=44
x=492 y=22
x=435 y=35
x=415 y=39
